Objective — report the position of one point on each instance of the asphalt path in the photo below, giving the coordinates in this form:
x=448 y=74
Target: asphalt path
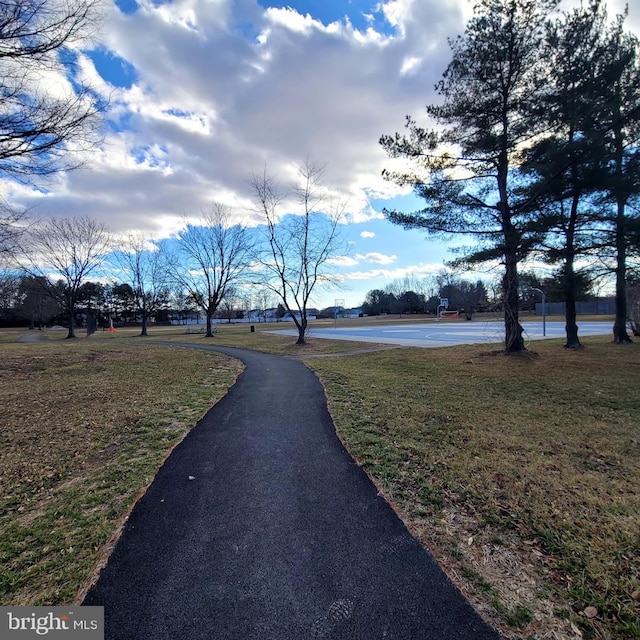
x=431 y=334
x=260 y=526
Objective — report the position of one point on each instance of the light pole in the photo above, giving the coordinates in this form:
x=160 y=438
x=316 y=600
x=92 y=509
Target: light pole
x=544 y=311
x=338 y=307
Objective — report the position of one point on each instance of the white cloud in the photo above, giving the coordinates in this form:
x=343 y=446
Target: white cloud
x=377 y=258
x=388 y=275
x=371 y=258
x=291 y=19
x=343 y=261
x=219 y=88
x=223 y=87
x=410 y=65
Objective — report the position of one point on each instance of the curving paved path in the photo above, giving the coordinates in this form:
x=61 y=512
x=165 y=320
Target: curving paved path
x=278 y=536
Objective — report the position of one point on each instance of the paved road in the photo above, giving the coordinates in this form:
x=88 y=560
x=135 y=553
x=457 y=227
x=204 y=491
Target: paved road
x=432 y=334
x=278 y=536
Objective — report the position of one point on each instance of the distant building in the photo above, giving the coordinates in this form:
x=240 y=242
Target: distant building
x=312 y=314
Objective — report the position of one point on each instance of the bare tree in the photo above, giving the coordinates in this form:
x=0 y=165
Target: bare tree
x=36 y=49
x=428 y=287
x=70 y=248
x=143 y=267
x=212 y=257
x=180 y=303
x=12 y=223
x=9 y=289
x=294 y=257
x=247 y=302
x=230 y=303
x=265 y=299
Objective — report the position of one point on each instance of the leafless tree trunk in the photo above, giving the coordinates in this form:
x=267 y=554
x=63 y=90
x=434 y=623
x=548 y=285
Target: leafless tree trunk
x=145 y=270
x=212 y=257
x=297 y=249
x=70 y=248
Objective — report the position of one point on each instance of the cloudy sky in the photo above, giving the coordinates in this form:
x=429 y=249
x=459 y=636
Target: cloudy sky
x=205 y=92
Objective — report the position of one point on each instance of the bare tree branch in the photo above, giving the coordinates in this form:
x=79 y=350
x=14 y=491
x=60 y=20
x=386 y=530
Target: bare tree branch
x=37 y=122
x=211 y=258
x=296 y=249
x=71 y=248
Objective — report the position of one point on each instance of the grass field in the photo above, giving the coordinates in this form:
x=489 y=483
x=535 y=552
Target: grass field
x=85 y=425
x=520 y=474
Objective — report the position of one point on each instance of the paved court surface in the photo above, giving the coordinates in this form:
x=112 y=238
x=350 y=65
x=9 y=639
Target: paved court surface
x=444 y=334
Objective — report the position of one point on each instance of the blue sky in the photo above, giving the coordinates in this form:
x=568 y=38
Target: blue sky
x=204 y=92
x=361 y=13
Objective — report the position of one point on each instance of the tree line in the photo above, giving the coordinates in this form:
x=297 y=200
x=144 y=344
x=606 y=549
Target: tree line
x=534 y=150
x=410 y=295
x=211 y=263
x=467 y=297
x=25 y=301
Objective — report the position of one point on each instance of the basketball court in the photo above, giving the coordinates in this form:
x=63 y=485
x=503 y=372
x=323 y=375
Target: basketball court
x=445 y=333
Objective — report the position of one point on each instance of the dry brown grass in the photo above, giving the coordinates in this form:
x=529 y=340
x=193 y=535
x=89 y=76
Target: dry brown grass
x=240 y=335
x=85 y=425
x=522 y=474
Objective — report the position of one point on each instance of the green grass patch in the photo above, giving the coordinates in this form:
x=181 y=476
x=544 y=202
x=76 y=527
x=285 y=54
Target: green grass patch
x=541 y=450
x=86 y=424
x=520 y=474
x=262 y=339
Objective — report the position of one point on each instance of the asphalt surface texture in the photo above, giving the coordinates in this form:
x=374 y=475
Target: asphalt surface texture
x=260 y=526
x=432 y=334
